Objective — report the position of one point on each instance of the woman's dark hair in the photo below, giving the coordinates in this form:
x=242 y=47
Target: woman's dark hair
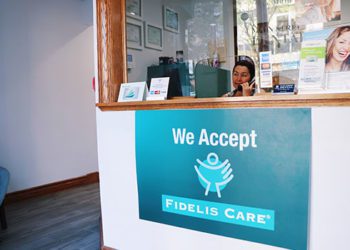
x=250 y=66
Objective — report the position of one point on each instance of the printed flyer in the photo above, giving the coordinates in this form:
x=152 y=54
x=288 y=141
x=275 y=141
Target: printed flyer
x=265 y=69
x=158 y=88
x=312 y=64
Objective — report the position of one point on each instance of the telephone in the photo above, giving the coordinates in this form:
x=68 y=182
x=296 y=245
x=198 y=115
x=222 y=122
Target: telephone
x=252 y=81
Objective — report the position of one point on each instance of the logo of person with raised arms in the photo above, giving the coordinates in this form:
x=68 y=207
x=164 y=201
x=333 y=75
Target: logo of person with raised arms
x=213 y=174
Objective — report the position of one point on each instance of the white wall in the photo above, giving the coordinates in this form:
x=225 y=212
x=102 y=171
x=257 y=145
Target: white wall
x=123 y=230
x=47 y=114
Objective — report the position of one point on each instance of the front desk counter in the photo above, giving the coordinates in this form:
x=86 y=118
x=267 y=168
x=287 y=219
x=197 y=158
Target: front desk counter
x=266 y=100
x=329 y=203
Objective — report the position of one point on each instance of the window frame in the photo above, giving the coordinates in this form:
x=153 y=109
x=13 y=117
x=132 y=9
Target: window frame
x=112 y=71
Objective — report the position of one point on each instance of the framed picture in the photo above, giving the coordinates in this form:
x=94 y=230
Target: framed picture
x=134 y=8
x=153 y=36
x=170 y=19
x=134 y=34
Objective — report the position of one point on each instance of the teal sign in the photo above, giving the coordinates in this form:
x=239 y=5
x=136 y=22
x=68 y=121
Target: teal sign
x=240 y=173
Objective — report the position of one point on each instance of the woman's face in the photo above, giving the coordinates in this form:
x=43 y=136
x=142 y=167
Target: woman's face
x=240 y=75
x=341 y=48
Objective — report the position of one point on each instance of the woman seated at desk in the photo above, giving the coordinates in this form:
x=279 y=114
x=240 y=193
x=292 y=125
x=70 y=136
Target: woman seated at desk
x=243 y=79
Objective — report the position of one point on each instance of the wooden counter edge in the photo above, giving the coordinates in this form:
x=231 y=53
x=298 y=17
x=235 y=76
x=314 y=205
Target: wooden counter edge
x=266 y=100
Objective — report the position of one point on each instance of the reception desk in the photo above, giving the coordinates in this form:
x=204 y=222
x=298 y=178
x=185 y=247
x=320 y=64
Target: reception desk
x=328 y=201
x=329 y=186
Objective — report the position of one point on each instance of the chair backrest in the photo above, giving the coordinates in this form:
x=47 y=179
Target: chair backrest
x=4 y=181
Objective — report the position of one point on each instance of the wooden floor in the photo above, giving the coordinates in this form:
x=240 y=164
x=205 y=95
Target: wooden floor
x=64 y=220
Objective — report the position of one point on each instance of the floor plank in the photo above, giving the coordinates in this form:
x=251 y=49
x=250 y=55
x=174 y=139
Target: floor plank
x=64 y=220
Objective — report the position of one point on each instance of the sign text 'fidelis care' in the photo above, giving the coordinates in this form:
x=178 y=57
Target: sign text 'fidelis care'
x=240 y=140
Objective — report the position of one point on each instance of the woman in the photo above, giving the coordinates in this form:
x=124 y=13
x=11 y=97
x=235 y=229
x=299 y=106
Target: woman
x=338 y=50
x=243 y=75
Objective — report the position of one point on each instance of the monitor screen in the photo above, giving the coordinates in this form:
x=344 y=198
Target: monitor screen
x=166 y=71
x=174 y=83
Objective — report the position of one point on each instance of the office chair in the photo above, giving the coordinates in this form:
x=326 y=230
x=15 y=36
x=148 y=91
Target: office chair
x=4 y=180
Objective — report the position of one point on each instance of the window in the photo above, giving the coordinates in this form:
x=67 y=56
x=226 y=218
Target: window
x=239 y=30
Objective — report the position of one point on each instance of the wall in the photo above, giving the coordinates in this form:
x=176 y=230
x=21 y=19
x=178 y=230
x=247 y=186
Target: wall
x=47 y=114
x=122 y=228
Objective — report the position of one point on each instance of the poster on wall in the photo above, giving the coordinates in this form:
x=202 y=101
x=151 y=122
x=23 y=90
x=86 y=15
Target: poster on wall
x=317 y=11
x=229 y=172
x=336 y=57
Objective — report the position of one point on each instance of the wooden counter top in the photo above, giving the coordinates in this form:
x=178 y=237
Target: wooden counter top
x=266 y=100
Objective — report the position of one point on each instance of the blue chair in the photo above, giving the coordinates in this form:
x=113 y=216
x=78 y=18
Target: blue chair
x=4 y=181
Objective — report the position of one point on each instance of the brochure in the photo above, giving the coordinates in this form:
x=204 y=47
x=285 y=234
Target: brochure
x=265 y=69
x=338 y=82
x=312 y=65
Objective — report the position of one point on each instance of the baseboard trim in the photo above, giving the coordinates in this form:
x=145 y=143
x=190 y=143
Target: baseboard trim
x=107 y=248
x=52 y=187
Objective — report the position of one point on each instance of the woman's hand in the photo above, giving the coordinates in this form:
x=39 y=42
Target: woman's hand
x=247 y=89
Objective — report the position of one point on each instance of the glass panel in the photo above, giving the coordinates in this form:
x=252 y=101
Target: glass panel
x=277 y=24
x=284 y=26
x=199 y=41
x=194 y=32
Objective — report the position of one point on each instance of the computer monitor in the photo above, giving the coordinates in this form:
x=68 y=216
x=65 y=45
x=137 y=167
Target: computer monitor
x=174 y=83
x=211 y=82
x=166 y=71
